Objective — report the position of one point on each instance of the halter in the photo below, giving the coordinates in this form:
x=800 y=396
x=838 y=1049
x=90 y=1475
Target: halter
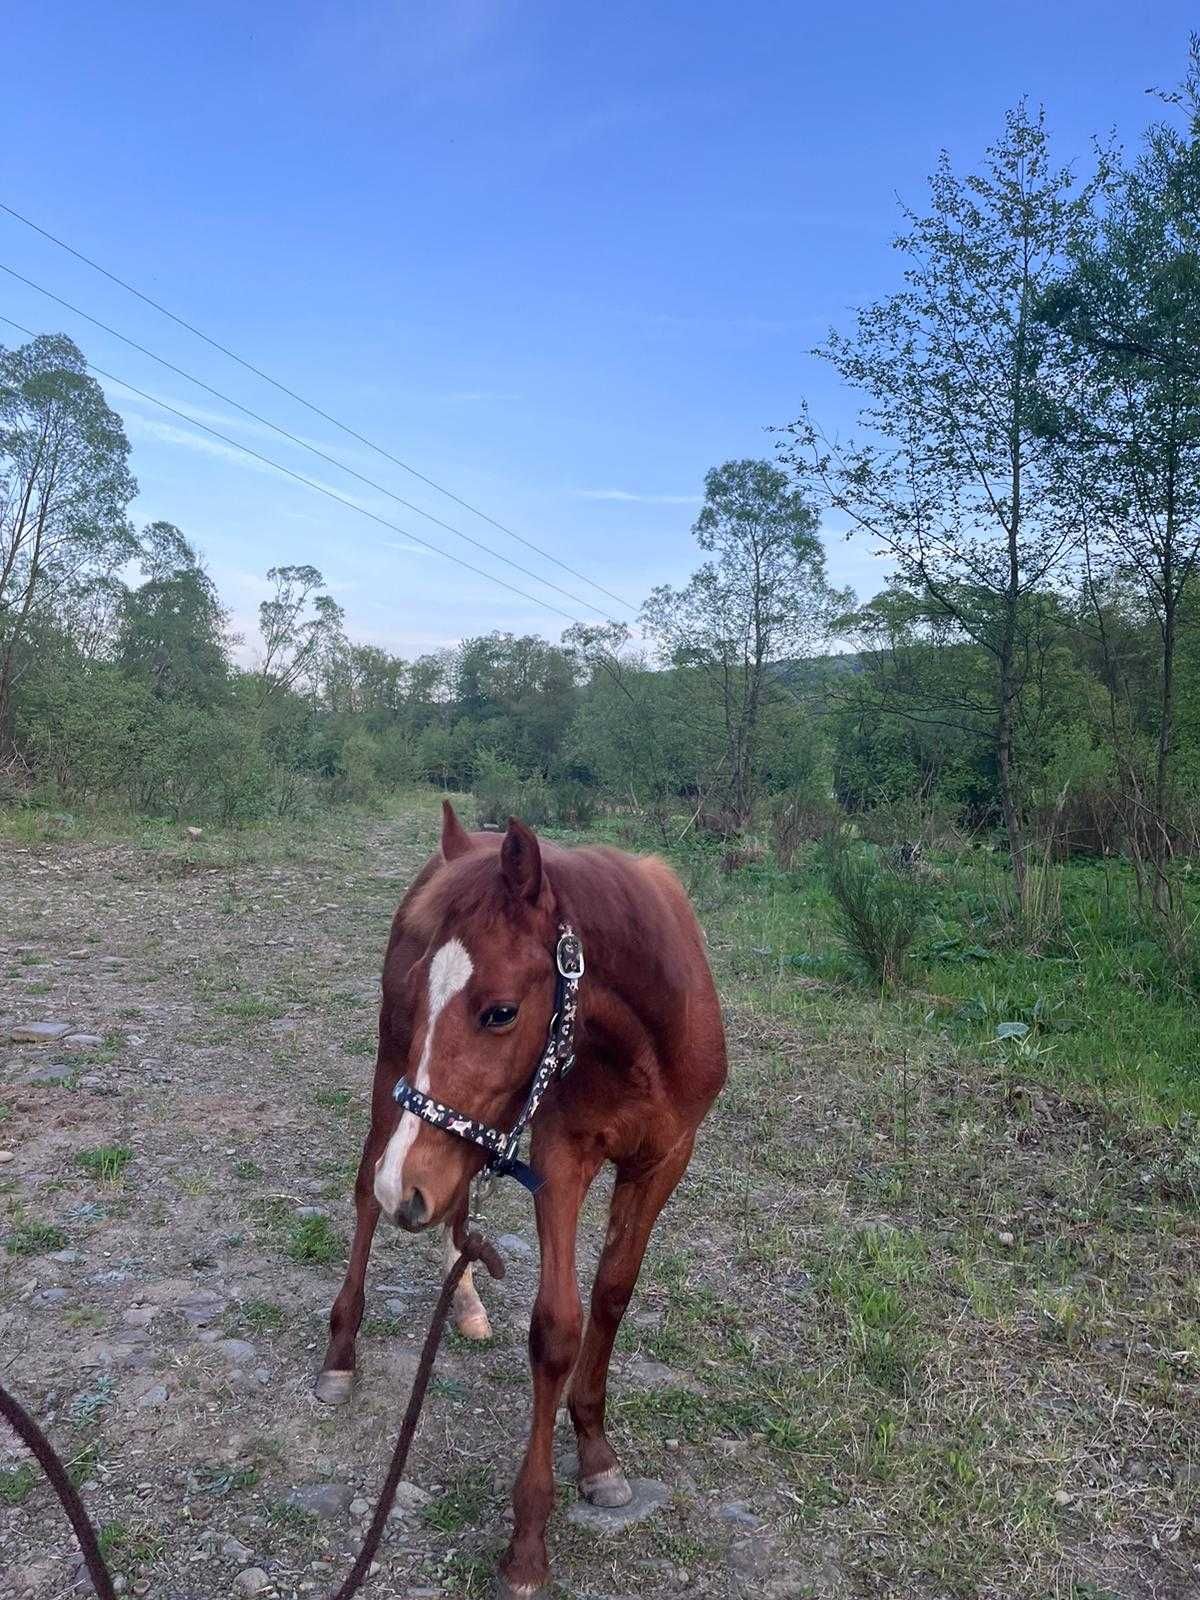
x=555 y=1062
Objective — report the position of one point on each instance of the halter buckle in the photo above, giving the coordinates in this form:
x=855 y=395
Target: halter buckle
x=569 y=955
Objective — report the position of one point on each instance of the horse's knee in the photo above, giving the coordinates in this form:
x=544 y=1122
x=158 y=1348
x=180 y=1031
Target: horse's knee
x=555 y=1334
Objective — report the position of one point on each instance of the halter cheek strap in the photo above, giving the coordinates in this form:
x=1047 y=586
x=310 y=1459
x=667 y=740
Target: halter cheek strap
x=557 y=1059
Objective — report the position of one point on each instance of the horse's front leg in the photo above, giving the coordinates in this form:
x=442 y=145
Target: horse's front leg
x=336 y=1380
x=638 y=1196
x=554 y=1335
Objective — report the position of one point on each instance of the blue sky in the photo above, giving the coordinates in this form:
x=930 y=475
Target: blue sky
x=562 y=258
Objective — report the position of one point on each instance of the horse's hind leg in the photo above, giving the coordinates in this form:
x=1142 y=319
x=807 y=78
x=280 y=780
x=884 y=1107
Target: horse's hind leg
x=470 y=1317
x=638 y=1197
x=336 y=1380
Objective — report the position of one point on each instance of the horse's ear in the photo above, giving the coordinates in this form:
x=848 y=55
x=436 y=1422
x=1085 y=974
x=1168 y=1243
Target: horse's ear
x=521 y=861
x=456 y=841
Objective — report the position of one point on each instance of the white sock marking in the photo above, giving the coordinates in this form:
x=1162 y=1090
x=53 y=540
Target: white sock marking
x=449 y=972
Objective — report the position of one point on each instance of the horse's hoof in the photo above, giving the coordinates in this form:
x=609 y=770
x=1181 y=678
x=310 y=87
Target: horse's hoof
x=474 y=1325
x=608 y=1489
x=334 y=1388
x=505 y=1591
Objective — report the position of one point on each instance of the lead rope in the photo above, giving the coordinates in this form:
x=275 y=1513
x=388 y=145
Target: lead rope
x=474 y=1248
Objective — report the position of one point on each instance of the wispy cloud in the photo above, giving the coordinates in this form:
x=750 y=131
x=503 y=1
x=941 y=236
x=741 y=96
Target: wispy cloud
x=634 y=497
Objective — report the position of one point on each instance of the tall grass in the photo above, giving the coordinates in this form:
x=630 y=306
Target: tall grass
x=878 y=913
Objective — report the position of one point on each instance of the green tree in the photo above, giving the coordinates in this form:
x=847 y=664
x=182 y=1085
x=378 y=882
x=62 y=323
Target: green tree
x=1127 y=413
x=762 y=598
x=957 y=483
x=171 y=628
x=64 y=491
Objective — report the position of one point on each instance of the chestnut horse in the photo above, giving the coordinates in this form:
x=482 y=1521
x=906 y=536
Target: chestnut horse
x=475 y=991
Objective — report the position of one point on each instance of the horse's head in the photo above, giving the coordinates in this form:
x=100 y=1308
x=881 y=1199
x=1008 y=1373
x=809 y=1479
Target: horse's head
x=479 y=1002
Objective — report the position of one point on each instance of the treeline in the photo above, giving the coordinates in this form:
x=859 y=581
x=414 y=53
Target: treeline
x=1029 y=458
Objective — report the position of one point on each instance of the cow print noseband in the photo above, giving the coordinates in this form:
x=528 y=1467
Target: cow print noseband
x=556 y=1061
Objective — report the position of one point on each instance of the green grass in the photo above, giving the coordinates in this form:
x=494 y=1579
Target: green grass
x=1097 y=1002
x=35 y=1239
x=314 y=1240
x=107 y=1162
x=17 y=1484
x=262 y=1316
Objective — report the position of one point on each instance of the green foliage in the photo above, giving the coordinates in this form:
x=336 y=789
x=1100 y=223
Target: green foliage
x=880 y=912
x=107 y=1162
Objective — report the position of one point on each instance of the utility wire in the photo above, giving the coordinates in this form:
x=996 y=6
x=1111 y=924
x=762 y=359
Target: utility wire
x=303 y=444
x=308 y=404
x=309 y=483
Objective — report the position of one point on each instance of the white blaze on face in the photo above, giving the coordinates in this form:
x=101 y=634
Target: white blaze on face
x=449 y=972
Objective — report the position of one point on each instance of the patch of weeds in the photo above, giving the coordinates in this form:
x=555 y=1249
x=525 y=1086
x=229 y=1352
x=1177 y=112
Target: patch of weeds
x=464 y=1505
x=293 y=1518
x=87 y=1405
x=362 y=1044
x=130 y=1546
x=84 y=1317
x=222 y=1480
x=250 y=1008
x=263 y=1316
x=881 y=1326
x=17 y=1484
x=81 y=1466
x=381 y=1328
x=247 y=1171
x=333 y=1099
x=314 y=1240
x=107 y=1162
x=35 y=1239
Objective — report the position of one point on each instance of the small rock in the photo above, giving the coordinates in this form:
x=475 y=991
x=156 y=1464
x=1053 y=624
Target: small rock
x=252 y=1580
x=1006 y=1239
x=312 y=1211
x=234 y=1550
x=51 y=1297
x=155 y=1395
x=84 y=1041
x=512 y=1244
x=359 y=1507
x=322 y=1499
x=738 y=1511
x=57 y=1074
x=649 y=1496
x=39 y=1032
x=139 y=1316
x=236 y=1351
x=5 y=1157
x=410 y=1499
x=1062 y=1498
x=69 y=1258
x=194 y=833
x=201 y=1307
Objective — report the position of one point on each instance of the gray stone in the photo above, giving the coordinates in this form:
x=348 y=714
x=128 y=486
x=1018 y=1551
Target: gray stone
x=653 y=1374
x=512 y=1244
x=84 y=1041
x=738 y=1511
x=312 y=1211
x=154 y=1395
x=236 y=1351
x=5 y=1157
x=252 y=1580
x=359 y=1507
x=649 y=1496
x=234 y=1550
x=69 y=1258
x=201 y=1307
x=51 y=1297
x=39 y=1032
x=56 y=1074
x=410 y=1499
x=322 y=1499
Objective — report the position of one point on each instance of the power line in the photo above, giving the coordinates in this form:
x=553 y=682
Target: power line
x=303 y=444
x=308 y=404
x=309 y=483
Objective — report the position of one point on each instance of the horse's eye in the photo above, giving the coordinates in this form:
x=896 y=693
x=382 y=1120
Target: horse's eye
x=498 y=1017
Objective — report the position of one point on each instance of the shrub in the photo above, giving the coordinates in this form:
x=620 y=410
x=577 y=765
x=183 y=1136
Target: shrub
x=501 y=792
x=878 y=915
x=795 y=822
x=574 y=804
